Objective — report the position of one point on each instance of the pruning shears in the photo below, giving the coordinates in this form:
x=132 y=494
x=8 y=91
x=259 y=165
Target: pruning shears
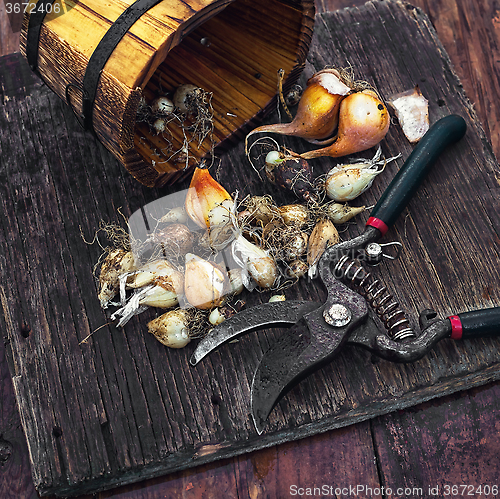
x=359 y=310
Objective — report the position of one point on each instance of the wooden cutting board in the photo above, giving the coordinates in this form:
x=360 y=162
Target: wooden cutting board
x=120 y=407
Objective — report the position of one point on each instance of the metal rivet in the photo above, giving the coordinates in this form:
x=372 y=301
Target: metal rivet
x=373 y=250
x=337 y=315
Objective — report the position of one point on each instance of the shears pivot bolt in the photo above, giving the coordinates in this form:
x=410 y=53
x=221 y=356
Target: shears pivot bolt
x=337 y=315
x=374 y=253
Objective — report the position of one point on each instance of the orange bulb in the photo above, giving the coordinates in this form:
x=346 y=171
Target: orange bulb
x=204 y=194
x=317 y=113
x=363 y=123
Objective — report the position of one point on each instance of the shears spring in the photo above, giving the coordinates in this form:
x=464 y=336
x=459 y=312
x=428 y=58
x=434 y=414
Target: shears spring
x=351 y=272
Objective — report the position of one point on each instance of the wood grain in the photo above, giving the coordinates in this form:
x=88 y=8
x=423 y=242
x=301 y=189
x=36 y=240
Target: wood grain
x=116 y=412
x=410 y=441
x=394 y=431
x=10 y=28
x=68 y=41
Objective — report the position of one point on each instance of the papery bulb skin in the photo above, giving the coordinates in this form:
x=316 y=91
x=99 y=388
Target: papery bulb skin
x=363 y=122
x=412 y=111
x=317 y=113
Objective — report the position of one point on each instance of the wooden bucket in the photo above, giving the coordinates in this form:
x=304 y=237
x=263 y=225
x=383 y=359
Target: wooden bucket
x=106 y=58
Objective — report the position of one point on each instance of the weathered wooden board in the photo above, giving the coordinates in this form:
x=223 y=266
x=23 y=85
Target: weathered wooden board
x=120 y=407
x=410 y=441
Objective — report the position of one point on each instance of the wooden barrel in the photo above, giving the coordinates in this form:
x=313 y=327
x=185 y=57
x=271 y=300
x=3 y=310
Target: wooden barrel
x=110 y=60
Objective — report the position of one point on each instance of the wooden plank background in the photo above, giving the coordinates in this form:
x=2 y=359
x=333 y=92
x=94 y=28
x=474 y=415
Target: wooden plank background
x=33 y=240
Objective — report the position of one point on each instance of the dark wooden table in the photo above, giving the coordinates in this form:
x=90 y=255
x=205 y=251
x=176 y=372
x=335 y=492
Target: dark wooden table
x=451 y=441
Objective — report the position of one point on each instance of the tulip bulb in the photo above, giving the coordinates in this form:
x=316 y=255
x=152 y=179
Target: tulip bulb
x=322 y=236
x=162 y=105
x=261 y=209
x=341 y=213
x=220 y=314
x=296 y=269
x=160 y=297
x=175 y=215
x=159 y=125
x=256 y=261
x=288 y=242
x=205 y=194
x=347 y=182
x=156 y=284
x=235 y=281
x=187 y=98
x=118 y=262
x=216 y=317
x=296 y=246
x=276 y=298
x=294 y=214
x=263 y=271
x=317 y=113
x=363 y=123
x=294 y=174
x=221 y=213
x=205 y=283
x=153 y=295
x=159 y=272
x=172 y=328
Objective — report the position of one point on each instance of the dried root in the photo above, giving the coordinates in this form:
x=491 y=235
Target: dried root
x=188 y=109
x=271 y=247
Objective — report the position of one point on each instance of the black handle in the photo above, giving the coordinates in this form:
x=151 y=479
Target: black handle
x=394 y=200
x=477 y=323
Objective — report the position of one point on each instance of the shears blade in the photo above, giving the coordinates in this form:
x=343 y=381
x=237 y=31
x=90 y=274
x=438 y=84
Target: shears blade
x=308 y=345
x=263 y=316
